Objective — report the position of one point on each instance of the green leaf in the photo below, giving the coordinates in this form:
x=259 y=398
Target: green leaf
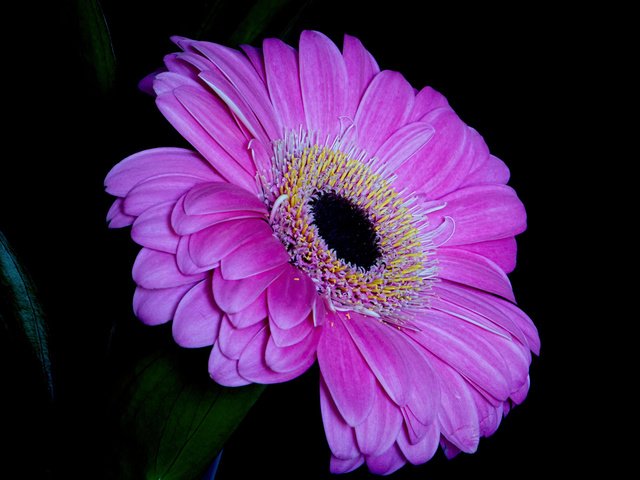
x=96 y=43
x=20 y=312
x=173 y=419
x=257 y=20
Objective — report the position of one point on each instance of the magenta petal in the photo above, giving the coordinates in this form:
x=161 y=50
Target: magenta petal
x=490 y=171
x=157 y=190
x=167 y=82
x=291 y=336
x=232 y=341
x=323 y=81
x=482 y=213
x=185 y=262
x=184 y=224
x=361 y=68
x=424 y=397
x=522 y=320
x=449 y=449
x=338 y=465
x=219 y=197
x=290 y=298
x=261 y=254
x=427 y=100
x=403 y=144
x=384 y=108
x=519 y=395
x=288 y=359
x=224 y=370
x=423 y=451
x=255 y=57
x=153 y=269
x=197 y=319
x=386 y=463
x=416 y=430
x=502 y=252
x=489 y=415
x=340 y=436
x=386 y=352
x=152 y=229
x=458 y=416
x=212 y=244
x=380 y=429
x=116 y=216
x=252 y=366
x=197 y=136
x=345 y=372
x=157 y=306
x=158 y=161
x=460 y=266
x=283 y=80
x=214 y=117
x=253 y=313
x=236 y=295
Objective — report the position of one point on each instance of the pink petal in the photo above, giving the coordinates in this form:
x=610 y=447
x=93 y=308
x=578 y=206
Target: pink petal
x=232 y=341
x=116 y=216
x=236 y=295
x=252 y=366
x=283 y=80
x=288 y=359
x=449 y=449
x=184 y=261
x=263 y=253
x=157 y=306
x=403 y=144
x=384 y=108
x=151 y=163
x=386 y=463
x=253 y=313
x=166 y=82
x=416 y=430
x=290 y=298
x=457 y=415
x=380 y=429
x=287 y=337
x=483 y=213
x=197 y=136
x=246 y=82
x=338 y=465
x=219 y=197
x=185 y=224
x=361 y=68
x=255 y=57
x=460 y=266
x=519 y=395
x=197 y=319
x=427 y=100
x=488 y=414
x=320 y=311
x=422 y=451
x=387 y=354
x=463 y=347
x=423 y=398
x=212 y=244
x=443 y=164
x=224 y=370
x=178 y=65
x=491 y=170
x=323 y=81
x=502 y=252
x=157 y=190
x=522 y=320
x=345 y=372
x=340 y=436
x=215 y=118
x=154 y=269
x=152 y=229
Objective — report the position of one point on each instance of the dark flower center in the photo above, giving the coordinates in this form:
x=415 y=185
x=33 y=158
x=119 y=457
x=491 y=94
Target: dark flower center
x=346 y=229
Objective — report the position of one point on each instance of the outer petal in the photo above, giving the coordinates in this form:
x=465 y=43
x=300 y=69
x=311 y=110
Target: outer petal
x=290 y=298
x=236 y=295
x=116 y=216
x=232 y=341
x=338 y=465
x=345 y=372
x=253 y=313
x=224 y=370
x=422 y=451
x=323 y=80
x=502 y=252
x=403 y=144
x=197 y=318
x=157 y=306
x=427 y=100
x=468 y=268
x=386 y=463
x=152 y=229
x=484 y=213
x=384 y=108
x=283 y=80
x=157 y=190
x=286 y=337
x=288 y=359
x=154 y=269
x=220 y=197
x=263 y=253
x=491 y=170
x=340 y=436
x=361 y=68
x=381 y=428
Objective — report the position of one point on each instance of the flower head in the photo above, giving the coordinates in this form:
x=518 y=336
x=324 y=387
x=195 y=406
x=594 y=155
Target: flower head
x=330 y=211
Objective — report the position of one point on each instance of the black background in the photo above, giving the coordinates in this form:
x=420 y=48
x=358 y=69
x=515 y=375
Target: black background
x=519 y=76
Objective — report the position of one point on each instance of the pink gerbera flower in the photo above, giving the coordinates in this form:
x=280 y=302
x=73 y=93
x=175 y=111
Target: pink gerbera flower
x=332 y=211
